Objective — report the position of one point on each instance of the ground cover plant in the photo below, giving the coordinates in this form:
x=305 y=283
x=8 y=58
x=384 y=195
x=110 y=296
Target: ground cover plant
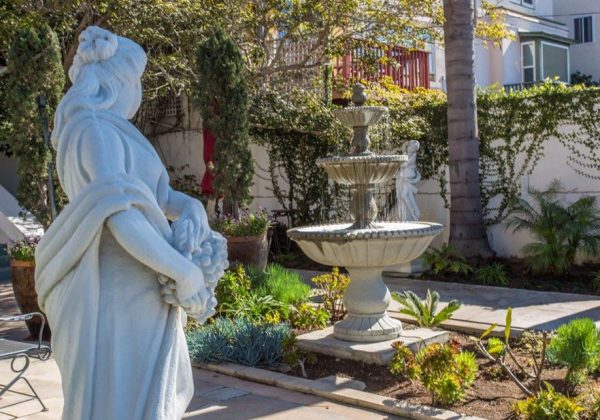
x=284 y=285
x=331 y=288
x=238 y=341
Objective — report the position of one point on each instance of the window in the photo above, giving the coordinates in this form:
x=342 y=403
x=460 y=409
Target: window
x=583 y=28
x=555 y=61
x=528 y=61
x=526 y=3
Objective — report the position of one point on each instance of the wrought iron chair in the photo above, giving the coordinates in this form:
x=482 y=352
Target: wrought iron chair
x=18 y=351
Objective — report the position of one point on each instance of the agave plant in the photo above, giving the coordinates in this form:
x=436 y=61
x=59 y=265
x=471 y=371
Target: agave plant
x=560 y=230
x=425 y=311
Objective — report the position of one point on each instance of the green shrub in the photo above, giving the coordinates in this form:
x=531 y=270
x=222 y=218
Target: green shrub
x=561 y=230
x=492 y=275
x=446 y=261
x=233 y=286
x=548 y=405
x=596 y=283
x=239 y=341
x=496 y=347
x=331 y=287
x=425 y=311
x=576 y=345
x=443 y=370
x=256 y=308
x=284 y=285
x=309 y=318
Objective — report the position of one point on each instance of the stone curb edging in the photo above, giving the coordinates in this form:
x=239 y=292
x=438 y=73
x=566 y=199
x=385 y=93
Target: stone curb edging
x=343 y=395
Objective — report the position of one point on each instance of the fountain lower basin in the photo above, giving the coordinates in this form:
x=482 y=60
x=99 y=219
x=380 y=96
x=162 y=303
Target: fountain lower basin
x=366 y=253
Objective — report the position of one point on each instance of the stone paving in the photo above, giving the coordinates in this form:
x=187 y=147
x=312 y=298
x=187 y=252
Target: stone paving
x=216 y=396
x=484 y=305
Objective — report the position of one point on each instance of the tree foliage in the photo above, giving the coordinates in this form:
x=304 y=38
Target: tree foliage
x=34 y=69
x=221 y=94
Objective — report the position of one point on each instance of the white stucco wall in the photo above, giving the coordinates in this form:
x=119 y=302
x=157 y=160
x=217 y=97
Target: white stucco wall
x=584 y=57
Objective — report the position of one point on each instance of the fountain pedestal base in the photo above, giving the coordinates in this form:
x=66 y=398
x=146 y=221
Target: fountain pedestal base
x=367 y=328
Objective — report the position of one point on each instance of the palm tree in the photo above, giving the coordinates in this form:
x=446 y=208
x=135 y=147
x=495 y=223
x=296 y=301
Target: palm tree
x=467 y=231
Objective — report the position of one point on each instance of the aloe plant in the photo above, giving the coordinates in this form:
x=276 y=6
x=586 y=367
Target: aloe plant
x=425 y=311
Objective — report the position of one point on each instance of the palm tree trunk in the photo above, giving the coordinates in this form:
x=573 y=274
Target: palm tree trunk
x=467 y=231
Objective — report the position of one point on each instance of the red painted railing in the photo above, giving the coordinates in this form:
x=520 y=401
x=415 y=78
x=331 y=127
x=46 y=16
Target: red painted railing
x=408 y=69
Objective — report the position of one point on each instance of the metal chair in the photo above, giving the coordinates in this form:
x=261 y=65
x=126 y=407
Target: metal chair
x=17 y=350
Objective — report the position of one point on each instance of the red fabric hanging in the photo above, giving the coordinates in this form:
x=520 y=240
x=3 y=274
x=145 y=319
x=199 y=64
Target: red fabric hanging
x=206 y=185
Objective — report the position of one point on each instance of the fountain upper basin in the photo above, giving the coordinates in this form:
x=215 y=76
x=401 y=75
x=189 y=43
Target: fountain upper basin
x=360 y=116
x=390 y=244
x=363 y=169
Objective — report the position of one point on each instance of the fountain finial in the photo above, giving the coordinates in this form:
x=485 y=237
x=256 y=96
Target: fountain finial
x=359 y=97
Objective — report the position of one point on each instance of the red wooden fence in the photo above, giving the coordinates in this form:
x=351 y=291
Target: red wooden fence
x=408 y=69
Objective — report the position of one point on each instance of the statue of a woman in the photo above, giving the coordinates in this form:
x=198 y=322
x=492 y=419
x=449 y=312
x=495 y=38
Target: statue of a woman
x=112 y=275
x=406 y=184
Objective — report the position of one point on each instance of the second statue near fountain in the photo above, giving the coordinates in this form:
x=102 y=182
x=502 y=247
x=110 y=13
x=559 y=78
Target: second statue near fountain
x=364 y=246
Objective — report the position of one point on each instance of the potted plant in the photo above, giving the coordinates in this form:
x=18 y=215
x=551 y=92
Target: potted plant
x=22 y=267
x=246 y=235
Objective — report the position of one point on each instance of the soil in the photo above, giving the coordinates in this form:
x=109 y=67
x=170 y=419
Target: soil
x=580 y=280
x=492 y=396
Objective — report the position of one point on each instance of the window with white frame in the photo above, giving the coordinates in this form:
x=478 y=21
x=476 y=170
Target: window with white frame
x=528 y=61
x=526 y=3
x=583 y=29
x=555 y=61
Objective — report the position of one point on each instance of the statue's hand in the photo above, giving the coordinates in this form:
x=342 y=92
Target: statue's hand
x=191 y=228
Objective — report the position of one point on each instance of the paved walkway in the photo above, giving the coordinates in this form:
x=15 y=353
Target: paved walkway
x=484 y=305
x=217 y=396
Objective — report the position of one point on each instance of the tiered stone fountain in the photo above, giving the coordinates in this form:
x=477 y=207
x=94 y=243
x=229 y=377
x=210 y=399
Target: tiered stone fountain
x=365 y=246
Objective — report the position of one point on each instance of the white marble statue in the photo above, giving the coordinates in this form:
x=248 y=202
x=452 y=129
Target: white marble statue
x=406 y=184
x=112 y=275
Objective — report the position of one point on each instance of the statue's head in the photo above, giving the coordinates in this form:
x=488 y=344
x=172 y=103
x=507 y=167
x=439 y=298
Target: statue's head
x=106 y=75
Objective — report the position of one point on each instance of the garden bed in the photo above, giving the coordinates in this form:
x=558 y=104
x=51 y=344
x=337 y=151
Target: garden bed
x=492 y=396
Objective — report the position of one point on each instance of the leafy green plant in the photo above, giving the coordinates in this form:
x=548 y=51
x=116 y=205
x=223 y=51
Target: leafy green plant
x=443 y=370
x=23 y=250
x=425 y=311
x=256 y=308
x=492 y=274
x=561 y=230
x=596 y=283
x=284 y=285
x=548 y=405
x=34 y=69
x=497 y=351
x=576 y=345
x=331 y=287
x=233 y=286
x=309 y=318
x=446 y=261
x=247 y=224
x=239 y=341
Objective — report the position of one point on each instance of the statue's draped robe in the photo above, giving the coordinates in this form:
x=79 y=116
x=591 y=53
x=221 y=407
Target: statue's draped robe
x=121 y=351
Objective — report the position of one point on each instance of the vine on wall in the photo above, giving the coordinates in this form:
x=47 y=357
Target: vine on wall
x=514 y=129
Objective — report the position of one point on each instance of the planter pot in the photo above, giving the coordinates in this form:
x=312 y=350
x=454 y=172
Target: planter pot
x=250 y=250
x=23 y=282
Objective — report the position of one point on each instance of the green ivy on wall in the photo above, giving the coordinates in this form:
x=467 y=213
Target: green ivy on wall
x=514 y=129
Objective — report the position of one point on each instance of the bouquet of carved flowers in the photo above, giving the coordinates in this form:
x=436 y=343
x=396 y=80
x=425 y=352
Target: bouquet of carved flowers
x=211 y=257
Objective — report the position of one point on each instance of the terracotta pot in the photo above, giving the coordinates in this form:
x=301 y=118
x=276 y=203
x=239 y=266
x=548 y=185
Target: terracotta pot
x=23 y=282
x=251 y=250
